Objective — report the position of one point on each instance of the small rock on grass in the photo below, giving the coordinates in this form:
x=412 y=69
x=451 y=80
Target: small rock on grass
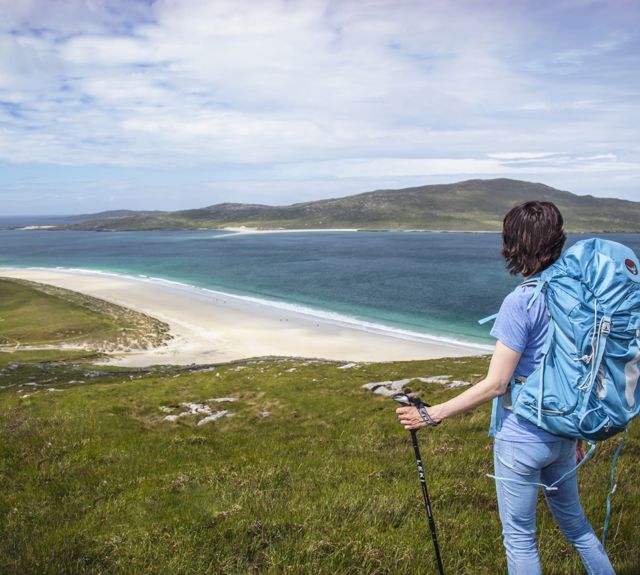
x=198 y=409
x=348 y=366
x=389 y=388
x=214 y=416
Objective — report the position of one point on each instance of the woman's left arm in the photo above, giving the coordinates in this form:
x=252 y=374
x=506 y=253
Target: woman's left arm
x=503 y=364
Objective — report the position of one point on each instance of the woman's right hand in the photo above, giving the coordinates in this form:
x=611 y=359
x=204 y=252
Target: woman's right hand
x=410 y=418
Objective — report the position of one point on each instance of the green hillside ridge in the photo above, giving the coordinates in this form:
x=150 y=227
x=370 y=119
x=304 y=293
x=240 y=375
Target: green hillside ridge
x=472 y=205
x=311 y=474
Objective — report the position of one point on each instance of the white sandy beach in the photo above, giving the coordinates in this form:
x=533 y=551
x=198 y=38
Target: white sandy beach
x=209 y=326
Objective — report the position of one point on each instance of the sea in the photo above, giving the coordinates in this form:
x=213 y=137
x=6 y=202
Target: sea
x=427 y=283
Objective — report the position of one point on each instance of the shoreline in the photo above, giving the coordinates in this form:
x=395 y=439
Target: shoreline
x=250 y=230
x=210 y=326
x=242 y=230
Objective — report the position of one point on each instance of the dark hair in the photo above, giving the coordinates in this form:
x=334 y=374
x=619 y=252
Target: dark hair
x=532 y=237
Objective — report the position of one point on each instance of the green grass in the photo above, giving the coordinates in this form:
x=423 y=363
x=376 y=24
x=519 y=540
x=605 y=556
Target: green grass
x=94 y=480
x=30 y=356
x=33 y=314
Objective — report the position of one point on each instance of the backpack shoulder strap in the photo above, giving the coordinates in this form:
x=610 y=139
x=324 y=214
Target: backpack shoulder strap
x=540 y=287
x=533 y=282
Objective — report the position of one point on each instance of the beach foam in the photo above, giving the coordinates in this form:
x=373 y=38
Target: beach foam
x=331 y=317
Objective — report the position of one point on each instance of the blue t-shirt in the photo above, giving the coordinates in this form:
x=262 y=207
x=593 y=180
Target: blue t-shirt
x=525 y=331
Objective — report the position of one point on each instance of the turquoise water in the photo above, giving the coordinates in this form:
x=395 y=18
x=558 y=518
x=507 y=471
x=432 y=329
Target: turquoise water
x=434 y=283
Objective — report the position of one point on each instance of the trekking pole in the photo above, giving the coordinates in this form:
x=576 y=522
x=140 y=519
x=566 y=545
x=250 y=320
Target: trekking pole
x=405 y=400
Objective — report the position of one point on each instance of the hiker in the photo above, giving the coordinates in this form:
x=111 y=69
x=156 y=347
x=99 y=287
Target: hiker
x=526 y=456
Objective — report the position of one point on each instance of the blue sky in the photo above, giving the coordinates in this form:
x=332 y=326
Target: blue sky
x=181 y=103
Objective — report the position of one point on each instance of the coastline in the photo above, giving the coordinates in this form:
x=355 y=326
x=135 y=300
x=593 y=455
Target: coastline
x=246 y=230
x=251 y=230
x=209 y=326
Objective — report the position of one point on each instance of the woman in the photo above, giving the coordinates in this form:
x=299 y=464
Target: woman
x=524 y=455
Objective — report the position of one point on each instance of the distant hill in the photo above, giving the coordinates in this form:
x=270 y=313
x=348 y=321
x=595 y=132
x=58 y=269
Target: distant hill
x=116 y=214
x=59 y=221
x=464 y=206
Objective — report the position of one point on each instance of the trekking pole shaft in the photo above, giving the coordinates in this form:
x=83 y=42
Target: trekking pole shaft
x=427 y=501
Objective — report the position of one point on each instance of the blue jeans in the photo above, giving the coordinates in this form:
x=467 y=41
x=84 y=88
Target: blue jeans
x=540 y=462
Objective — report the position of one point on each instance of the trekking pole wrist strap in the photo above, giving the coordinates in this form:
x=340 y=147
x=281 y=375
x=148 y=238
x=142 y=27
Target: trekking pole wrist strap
x=424 y=414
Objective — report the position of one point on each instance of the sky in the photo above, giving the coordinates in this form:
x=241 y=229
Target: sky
x=171 y=104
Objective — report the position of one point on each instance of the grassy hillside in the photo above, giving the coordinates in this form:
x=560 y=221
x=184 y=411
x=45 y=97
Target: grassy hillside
x=311 y=475
x=468 y=205
x=36 y=315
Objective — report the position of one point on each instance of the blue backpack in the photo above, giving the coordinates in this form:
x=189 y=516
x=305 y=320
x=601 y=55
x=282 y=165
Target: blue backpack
x=586 y=385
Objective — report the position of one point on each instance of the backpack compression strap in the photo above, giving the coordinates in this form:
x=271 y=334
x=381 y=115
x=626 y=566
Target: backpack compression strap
x=614 y=485
x=554 y=486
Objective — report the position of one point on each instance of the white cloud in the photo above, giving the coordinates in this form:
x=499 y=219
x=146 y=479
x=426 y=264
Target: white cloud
x=315 y=89
x=106 y=51
x=579 y=56
x=503 y=165
x=521 y=156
